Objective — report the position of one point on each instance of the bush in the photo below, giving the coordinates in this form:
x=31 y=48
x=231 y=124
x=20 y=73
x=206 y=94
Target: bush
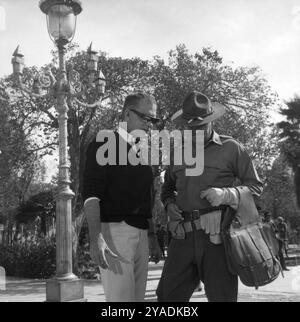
x=31 y=259
x=35 y=258
x=86 y=267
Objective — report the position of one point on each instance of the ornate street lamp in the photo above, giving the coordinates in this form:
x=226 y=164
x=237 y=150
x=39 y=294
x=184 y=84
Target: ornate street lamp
x=61 y=18
x=61 y=23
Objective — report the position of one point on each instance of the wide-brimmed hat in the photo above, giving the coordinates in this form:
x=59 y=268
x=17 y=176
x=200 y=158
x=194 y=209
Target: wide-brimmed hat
x=197 y=109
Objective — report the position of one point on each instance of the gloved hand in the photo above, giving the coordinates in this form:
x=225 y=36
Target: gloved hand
x=221 y=196
x=215 y=196
x=211 y=222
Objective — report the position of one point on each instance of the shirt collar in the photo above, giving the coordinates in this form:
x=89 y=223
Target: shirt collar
x=216 y=138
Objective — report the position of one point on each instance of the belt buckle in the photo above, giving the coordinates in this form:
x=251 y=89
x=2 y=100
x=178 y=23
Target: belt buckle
x=195 y=214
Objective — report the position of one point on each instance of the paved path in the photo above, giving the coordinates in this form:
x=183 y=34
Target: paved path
x=281 y=290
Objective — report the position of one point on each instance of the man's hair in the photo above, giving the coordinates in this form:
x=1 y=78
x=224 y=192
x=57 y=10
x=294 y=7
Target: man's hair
x=133 y=100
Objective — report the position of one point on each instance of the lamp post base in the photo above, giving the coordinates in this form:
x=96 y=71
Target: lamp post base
x=65 y=290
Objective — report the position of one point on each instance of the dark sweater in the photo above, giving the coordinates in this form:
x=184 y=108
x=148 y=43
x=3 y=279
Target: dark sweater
x=125 y=191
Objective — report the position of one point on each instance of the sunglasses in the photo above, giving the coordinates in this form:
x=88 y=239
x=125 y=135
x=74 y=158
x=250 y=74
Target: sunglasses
x=145 y=117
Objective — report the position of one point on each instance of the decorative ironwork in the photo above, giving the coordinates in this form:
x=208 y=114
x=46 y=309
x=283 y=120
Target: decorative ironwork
x=45 y=84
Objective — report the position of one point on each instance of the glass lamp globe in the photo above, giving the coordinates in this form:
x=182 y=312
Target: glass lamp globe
x=61 y=18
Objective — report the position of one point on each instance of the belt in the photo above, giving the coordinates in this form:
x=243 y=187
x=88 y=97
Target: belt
x=197 y=213
x=191 y=220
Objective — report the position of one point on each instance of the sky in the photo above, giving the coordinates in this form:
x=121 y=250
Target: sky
x=245 y=32
x=256 y=32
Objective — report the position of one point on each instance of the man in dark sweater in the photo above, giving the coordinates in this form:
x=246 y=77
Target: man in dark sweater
x=118 y=201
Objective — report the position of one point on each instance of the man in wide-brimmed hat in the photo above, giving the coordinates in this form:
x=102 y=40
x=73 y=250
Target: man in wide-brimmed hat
x=194 y=206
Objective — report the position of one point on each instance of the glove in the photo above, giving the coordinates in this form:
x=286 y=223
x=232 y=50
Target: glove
x=211 y=224
x=221 y=196
x=215 y=196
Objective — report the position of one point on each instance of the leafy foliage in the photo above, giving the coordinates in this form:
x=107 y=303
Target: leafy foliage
x=243 y=90
x=279 y=196
x=19 y=165
x=290 y=134
x=41 y=205
x=86 y=267
x=32 y=259
x=245 y=93
x=29 y=128
x=35 y=258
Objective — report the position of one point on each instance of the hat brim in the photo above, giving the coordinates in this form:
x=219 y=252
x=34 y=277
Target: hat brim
x=218 y=111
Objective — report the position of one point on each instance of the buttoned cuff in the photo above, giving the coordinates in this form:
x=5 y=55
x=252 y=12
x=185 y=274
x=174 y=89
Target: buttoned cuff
x=231 y=198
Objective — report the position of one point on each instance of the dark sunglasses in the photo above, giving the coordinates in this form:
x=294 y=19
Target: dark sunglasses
x=145 y=117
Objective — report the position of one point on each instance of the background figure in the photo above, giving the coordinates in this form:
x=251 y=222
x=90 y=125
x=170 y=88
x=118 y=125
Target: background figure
x=161 y=233
x=169 y=237
x=297 y=235
x=282 y=236
x=268 y=219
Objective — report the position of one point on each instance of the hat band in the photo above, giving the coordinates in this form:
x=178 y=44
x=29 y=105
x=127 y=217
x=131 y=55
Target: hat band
x=199 y=118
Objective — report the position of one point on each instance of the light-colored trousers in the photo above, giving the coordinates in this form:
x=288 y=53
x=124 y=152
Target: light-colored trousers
x=125 y=279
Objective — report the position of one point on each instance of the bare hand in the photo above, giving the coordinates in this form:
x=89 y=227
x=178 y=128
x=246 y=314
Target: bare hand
x=173 y=212
x=215 y=196
x=98 y=251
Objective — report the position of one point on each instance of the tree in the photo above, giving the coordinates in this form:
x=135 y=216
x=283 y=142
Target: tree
x=279 y=195
x=243 y=91
x=290 y=134
x=41 y=205
x=123 y=76
x=20 y=162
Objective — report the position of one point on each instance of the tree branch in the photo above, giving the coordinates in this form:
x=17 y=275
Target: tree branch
x=44 y=147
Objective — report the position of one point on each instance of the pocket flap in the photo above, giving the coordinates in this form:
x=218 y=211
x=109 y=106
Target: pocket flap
x=248 y=247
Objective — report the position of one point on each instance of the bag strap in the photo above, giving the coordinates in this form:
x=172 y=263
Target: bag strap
x=226 y=242
x=271 y=251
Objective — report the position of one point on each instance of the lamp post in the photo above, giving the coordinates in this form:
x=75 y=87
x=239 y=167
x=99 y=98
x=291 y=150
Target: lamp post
x=61 y=23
